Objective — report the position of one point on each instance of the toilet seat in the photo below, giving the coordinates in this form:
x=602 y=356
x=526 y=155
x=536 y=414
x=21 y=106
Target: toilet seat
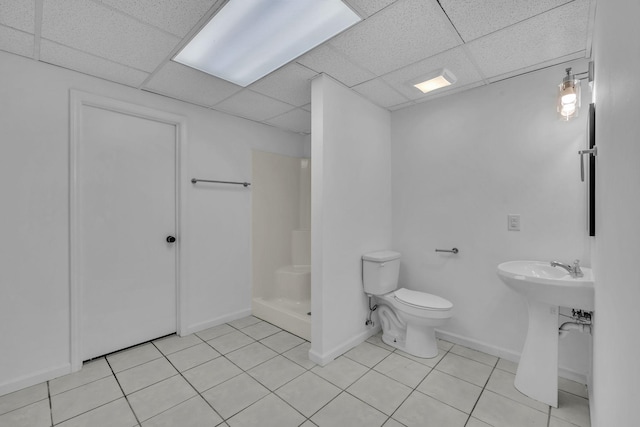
x=421 y=300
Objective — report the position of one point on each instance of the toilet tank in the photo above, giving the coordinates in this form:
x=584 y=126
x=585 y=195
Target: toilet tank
x=380 y=272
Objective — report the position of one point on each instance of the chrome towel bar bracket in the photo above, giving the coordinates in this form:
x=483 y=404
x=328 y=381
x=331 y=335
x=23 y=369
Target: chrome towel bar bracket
x=453 y=251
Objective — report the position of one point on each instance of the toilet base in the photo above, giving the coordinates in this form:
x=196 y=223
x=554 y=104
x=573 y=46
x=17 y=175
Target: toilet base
x=421 y=342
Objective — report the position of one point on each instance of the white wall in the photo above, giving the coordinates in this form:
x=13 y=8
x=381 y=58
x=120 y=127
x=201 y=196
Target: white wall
x=34 y=183
x=350 y=211
x=462 y=163
x=616 y=371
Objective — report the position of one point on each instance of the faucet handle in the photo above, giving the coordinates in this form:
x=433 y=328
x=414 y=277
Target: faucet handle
x=577 y=271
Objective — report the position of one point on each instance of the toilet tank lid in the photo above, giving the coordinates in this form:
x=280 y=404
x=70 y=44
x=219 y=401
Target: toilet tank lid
x=381 y=256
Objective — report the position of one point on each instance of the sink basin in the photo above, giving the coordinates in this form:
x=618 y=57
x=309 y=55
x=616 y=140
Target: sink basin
x=538 y=281
x=544 y=289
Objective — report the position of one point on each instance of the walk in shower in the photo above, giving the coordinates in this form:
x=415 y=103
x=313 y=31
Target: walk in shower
x=281 y=246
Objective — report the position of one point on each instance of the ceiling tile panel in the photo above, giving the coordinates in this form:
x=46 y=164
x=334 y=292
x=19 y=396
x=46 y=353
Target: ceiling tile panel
x=380 y=93
x=325 y=59
x=554 y=34
x=18 y=14
x=101 y=31
x=455 y=60
x=476 y=18
x=253 y=105
x=15 y=41
x=401 y=34
x=174 y=16
x=177 y=81
x=66 y=57
x=297 y=120
x=290 y=84
x=369 y=7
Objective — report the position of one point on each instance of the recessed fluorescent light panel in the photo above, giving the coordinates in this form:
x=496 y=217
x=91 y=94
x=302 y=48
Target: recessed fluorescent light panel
x=436 y=80
x=248 y=39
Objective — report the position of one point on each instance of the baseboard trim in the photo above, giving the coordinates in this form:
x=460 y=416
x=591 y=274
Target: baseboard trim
x=323 y=358
x=34 y=378
x=216 y=321
x=504 y=353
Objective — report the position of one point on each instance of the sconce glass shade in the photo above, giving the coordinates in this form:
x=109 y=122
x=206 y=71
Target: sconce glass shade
x=568 y=104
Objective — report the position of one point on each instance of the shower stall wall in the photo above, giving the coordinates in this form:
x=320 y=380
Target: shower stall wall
x=281 y=246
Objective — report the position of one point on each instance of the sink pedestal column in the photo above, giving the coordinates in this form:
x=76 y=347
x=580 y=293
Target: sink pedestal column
x=537 y=374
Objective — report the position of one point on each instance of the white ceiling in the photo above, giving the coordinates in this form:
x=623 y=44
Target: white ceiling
x=132 y=43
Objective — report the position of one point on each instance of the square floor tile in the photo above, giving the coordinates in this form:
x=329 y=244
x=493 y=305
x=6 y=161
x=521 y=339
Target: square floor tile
x=234 y=395
x=90 y=371
x=33 y=415
x=282 y=341
x=573 y=387
x=261 y=330
x=444 y=345
x=173 y=343
x=451 y=390
x=300 y=355
x=476 y=355
x=572 y=408
x=192 y=356
x=308 y=393
x=557 y=422
x=501 y=382
x=251 y=355
x=84 y=398
x=377 y=340
x=214 y=332
x=194 y=412
x=404 y=370
x=342 y=371
x=346 y=410
x=230 y=342
x=431 y=362
x=275 y=372
x=212 y=373
x=507 y=365
x=392 y=423
x=367 y=354
x=499 y=411
x=268 y=412
x=134 y=356
x=474 y=422
x=420 y=410
x=466 y=369
x=113 y=414
x=380 y=391
x=244 y=322
x=24 y=397
x=144 y=375
x=161 y=396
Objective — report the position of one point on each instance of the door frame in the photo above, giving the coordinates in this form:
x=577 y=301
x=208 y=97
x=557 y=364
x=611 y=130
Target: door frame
x=79 y=100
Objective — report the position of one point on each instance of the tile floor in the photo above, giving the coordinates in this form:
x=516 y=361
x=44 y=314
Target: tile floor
x=251 y=373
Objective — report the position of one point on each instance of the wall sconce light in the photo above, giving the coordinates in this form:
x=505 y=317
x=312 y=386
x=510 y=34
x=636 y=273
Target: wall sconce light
x=568 y=103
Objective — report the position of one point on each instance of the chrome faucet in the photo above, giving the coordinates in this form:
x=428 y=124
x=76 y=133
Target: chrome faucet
x=574 y=271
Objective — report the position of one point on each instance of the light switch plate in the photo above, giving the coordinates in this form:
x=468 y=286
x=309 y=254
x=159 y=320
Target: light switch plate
x=513 y=222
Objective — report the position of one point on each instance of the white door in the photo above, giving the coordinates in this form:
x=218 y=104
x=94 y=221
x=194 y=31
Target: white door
x=127 y=210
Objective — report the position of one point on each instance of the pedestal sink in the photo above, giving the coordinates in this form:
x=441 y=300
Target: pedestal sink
x=544 y=288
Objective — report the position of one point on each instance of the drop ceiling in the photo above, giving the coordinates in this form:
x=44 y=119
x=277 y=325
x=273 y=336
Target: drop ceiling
x=133 y=42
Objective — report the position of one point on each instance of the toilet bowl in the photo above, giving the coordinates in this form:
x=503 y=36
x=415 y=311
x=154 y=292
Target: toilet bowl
x=408 y=317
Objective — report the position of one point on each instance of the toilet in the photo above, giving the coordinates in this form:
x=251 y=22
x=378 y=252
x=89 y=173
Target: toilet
x=408 y=318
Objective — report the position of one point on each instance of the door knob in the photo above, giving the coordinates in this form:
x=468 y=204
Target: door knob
x=171 y=239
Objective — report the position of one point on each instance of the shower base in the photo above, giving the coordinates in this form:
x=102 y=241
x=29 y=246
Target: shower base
x=292 y=316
